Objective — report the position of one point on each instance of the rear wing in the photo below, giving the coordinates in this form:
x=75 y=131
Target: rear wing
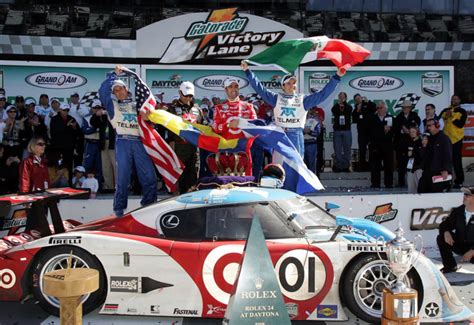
x=20 y=212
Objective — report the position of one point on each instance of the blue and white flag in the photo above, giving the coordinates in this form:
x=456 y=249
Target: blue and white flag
x=298 y=178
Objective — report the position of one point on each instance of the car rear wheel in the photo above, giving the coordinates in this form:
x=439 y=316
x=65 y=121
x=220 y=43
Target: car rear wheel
x=363 y=283
x=56 y=258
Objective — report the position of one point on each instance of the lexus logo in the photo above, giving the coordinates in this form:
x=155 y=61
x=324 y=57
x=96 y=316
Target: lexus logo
x=170 y=221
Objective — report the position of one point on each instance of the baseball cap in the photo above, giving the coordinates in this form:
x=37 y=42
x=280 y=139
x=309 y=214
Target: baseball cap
x=229 y=82
x=118 y=82
x=204 y=106
x=54 y=99
x=80 y=169
x=96 y=102
x=287 y=78
x=187 y=88
x=215 y=96
x=30 y=101
x=65 y=106
x=10 y=107
x=205 y=97
x=2 y=96
x=75 y=94
x=407 y=103
x=469 y=190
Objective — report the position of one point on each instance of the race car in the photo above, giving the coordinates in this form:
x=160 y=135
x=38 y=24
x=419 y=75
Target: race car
x=180 y=257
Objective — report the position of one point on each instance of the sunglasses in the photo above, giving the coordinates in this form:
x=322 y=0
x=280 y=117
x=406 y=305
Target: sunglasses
x=10 y=111
x=189 y=96
x=41 y=144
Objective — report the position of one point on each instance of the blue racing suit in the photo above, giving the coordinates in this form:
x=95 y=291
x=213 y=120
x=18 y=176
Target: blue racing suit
x=129 y=150
x=290 y=110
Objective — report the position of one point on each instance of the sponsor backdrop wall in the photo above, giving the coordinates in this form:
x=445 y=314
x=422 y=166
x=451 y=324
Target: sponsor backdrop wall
x=31 y=79
x=422 y=85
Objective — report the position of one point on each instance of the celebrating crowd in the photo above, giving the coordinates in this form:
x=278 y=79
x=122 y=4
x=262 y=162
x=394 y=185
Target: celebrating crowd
x=81 y=146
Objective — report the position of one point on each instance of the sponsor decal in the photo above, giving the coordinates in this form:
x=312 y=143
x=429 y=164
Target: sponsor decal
x=432 y=309
x=65 y=240
x=213 y=310
x=432 y=84
x=274 y=83
x=178 y=311
x=216 y=82
x=111 y=308
x=383 y=213
x=376 y=83
x=7 y=278
x=429 y=218
x=124 y=284
x=170 y=221
x=174 y=81
x=55 y=80
x=326 y=311
x=17 y=222
x=222 y=35
x=155 y=309
x=292 y=310
x=317 y=81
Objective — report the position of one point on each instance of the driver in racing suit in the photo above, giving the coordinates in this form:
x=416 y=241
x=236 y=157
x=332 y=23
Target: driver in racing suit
x=290 y=108
x=129 y=150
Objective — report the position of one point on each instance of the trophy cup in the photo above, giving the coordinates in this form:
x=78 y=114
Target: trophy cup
x=400 y=303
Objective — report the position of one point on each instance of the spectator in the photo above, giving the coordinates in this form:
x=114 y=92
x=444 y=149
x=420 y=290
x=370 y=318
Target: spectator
x=401 y=138
x=206 y=120
x=381 y=146
x=430 y=113
x=93 y=123
x=13 y=133
x=78 y=177
x=415 y=154
x=64 y=130
x=185 y=151
x=342 y=141
x=311 y=132
x=454 y=120
x=34 y=125
x=20 y=107
x=58 y=173
x=44 y=108
x=107 y=147
x=320 y=141
x=438 y=160
x=78 y=111
x=205 y=101
x=91 y=183
x=3 y=106
x=2 y=128
x=456 y=233
x=361 y=115
x=55 y=108
x=4 y=183
x=34 y=174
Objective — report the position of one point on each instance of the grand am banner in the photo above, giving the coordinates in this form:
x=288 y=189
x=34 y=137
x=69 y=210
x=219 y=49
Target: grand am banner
x=208 y=80
x=53 y=78
x=393 y=85
x=221 y=33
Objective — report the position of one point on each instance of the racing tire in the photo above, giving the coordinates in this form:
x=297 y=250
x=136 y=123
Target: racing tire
x=363 y=298
x=56 y=258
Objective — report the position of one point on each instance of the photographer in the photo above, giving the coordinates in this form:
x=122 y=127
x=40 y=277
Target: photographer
x=34 y=174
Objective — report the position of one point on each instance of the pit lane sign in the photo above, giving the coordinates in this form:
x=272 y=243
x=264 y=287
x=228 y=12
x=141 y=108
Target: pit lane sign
x=221 y=33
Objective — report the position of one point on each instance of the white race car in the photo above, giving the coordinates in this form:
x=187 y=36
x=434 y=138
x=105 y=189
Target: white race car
x=179 y=257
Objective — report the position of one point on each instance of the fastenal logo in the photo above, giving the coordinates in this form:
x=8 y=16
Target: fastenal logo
x=376 y=83
x=216 y=82
x=383 y=213
x=55 y=80
x=430 y=218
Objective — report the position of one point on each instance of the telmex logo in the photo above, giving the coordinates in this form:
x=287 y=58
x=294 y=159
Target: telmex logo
x=216 y=82
x=376 y=83
x=56 y=80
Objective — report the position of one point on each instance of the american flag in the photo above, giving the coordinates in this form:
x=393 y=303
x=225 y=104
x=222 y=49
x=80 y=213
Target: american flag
x=164 y=158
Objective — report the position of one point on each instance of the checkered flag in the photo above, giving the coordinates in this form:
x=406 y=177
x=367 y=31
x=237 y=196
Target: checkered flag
x=412 y=97
x=180 y=50
x=252 y=97
x=89 y=97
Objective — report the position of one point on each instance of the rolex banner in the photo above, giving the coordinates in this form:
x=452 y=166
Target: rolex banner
x=256 y=297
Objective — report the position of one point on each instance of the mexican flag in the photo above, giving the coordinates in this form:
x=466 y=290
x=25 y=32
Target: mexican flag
x=288 y=55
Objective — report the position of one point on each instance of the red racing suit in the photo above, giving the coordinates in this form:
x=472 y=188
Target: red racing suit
x=228 y=111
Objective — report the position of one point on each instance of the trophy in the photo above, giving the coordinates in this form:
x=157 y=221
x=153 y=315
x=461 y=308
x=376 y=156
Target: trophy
x=400 y=303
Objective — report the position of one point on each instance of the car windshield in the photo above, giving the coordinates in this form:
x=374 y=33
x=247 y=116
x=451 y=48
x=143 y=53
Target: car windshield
x=306 y=214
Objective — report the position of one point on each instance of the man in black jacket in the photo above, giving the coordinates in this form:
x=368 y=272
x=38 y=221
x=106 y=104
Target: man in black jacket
x=342 y=141
x=361 y=115
x=381 y=146
x=456 y=233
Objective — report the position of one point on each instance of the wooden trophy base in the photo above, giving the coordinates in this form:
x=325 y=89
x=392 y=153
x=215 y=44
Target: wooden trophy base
x=400 y=308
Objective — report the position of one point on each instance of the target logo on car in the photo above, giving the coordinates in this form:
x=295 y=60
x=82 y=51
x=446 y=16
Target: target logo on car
x=7 y=278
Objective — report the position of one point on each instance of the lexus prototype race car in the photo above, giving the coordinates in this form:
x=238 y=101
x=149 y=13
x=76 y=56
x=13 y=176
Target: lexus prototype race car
x=179 y=257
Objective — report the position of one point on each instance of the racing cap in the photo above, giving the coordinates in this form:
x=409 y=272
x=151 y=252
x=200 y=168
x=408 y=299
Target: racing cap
x=30 y=101
x=80 y=169
x=118 y=82
x=96 y=103
x=65 y=107
x=10 y=107
x=469 y=190
x=75 y=94
x=187 y=88
x=229 y=82
x=54 y=99
x=287 y=78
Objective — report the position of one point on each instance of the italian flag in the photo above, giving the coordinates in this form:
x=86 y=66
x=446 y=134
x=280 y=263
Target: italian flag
x=288 y=55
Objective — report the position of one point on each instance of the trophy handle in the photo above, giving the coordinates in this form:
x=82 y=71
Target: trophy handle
x=382 y=239
x=420 y=239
